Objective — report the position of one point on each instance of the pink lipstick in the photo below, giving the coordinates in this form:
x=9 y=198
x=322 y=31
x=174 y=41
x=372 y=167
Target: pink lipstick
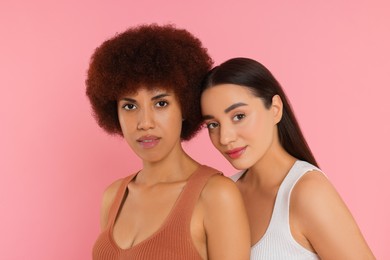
x=148 y=141
x=236 y=152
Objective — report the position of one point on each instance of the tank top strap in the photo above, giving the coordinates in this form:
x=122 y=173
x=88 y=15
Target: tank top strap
x=281 y=212
x=182 y=211
x=113 y=212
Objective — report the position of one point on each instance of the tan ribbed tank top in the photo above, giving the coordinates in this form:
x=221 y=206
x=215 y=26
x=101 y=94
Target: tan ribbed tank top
x=172 y=240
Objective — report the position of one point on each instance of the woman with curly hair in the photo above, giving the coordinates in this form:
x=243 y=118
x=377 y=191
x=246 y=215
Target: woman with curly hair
x=294 y=211
x=143 y=84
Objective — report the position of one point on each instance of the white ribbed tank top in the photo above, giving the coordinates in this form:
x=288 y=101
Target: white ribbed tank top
x=278 y=242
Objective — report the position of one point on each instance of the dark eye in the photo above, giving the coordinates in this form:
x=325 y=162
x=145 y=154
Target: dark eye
x=238 y=117
x=211 y=125
x=129 y=106
x=162 y=103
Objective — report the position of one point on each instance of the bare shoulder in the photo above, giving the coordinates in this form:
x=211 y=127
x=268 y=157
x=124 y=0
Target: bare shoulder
x=225 y=220
x=108 y=198
x=325 y=221
x=311 y=186
x=313 y=195
x=218 y=189
x=111 y=191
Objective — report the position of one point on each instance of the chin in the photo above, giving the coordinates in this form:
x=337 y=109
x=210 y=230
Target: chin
x=151 y=158
x=240 y=165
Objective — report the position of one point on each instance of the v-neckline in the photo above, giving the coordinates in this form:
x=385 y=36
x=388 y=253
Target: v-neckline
x=277 y=199
x=164 y=223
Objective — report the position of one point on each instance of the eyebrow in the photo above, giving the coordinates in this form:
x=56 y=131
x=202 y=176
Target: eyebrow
x=227 y=110
x=160 y=96
x=235 y=105
x=129 y=100
x=153 y=98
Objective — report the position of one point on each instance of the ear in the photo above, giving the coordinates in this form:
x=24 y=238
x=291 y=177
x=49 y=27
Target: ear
x=277 y=108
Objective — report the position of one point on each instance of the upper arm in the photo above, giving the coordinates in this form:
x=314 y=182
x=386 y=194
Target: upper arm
x=225 y=220
x=325 y=220
x=108 y=198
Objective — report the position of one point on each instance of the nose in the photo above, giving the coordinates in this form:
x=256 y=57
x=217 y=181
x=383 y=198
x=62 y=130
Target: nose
x=227 y=135
x=145 y=120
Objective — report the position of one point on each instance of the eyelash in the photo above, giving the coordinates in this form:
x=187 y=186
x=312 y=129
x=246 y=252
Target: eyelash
x=236 y=118
x=210 y=127
x=159 y=104
x=239 y=117
x=126 y=106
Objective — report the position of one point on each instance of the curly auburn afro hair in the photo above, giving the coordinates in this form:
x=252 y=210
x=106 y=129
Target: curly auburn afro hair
x=148 y=56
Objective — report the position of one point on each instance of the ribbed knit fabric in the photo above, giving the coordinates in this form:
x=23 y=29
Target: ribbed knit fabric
x=172 y=241
x=278 y=242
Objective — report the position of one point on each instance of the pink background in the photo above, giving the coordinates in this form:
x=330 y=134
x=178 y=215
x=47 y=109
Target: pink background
x=332 y=57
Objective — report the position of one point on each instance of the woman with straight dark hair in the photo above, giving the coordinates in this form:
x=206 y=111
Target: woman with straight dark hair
x=294 y=211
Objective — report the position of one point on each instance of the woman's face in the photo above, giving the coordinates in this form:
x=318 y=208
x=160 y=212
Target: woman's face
x=151 y=123
x=239 y=124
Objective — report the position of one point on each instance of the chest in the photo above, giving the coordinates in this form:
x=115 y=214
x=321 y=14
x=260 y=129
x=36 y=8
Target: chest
x=143 y=212
x=259 y=206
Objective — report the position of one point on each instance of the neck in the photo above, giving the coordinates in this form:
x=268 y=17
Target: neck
x=176 y=166
x=270 y=170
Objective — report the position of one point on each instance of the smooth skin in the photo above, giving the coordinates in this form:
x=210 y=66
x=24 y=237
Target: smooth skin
x=319 y=219
x=219 y=226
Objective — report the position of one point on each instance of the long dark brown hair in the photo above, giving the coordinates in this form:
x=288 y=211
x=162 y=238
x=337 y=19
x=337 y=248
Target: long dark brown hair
x=260 y=81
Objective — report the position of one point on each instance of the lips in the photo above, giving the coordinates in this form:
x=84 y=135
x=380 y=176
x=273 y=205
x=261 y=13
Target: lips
x=148 y=141
x=236 y=152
